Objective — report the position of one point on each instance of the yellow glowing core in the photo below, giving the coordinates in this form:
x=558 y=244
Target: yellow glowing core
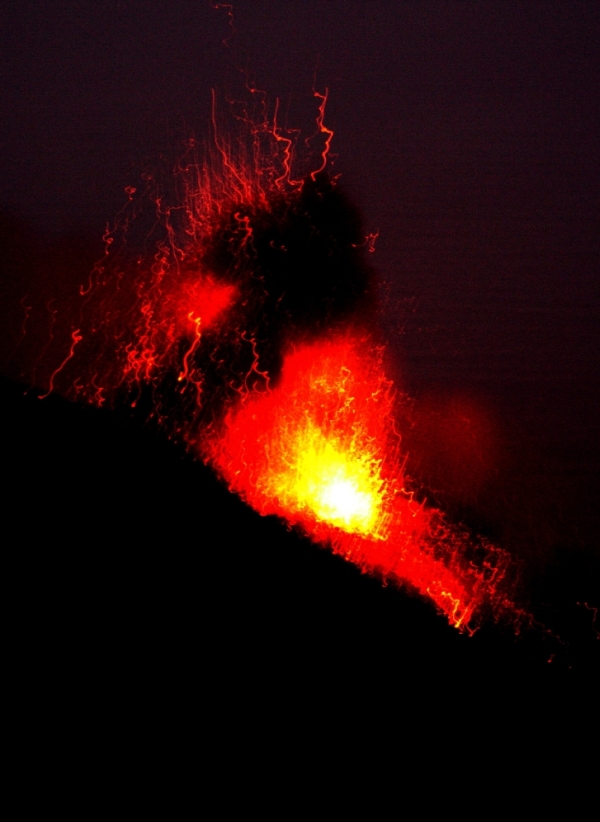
x=336 y=484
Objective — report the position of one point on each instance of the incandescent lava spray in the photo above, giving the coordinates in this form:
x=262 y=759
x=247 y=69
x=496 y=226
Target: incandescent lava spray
x=242 y=316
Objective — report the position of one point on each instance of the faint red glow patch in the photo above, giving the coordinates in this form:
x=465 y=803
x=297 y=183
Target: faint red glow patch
x=454 y=445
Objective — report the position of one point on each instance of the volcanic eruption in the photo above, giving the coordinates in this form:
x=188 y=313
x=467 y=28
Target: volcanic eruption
x=240 y=312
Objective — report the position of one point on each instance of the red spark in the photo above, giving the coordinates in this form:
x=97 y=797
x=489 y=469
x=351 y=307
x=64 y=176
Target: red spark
x=75 y=338
x=323 y=130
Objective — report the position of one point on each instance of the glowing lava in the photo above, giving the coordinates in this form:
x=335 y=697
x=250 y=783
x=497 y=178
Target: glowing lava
x=310 y=448
x=240 y=333
x=338 y=488
x=321 y=450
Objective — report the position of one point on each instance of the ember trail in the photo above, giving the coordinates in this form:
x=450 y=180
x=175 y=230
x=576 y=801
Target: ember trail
x=249 y=330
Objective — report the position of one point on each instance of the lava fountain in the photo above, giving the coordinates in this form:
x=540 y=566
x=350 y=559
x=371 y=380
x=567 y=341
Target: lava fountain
x=241 y=315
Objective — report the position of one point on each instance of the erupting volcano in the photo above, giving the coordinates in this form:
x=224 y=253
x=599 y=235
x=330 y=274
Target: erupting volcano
x=241 y=315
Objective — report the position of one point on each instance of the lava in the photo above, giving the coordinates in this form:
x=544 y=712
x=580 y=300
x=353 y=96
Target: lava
x=321 y=450
x=310 y=449
x=250 y=330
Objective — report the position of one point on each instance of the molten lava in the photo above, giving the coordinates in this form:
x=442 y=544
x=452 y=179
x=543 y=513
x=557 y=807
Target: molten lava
x=334 y=484
x=321 y=450
x=239 y=330
x=311 y=449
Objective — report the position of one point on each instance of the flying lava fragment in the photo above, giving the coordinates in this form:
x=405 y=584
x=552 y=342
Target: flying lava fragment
x=249 y=331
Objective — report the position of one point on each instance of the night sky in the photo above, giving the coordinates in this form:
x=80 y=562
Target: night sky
x=468 y=135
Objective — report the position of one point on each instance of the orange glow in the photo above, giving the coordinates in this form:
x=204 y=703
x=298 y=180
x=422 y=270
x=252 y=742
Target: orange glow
x=321 y=450
x=337 y=486
x=312 y=444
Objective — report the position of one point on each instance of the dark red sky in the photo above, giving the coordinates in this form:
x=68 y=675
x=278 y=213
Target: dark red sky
x=467 y=132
